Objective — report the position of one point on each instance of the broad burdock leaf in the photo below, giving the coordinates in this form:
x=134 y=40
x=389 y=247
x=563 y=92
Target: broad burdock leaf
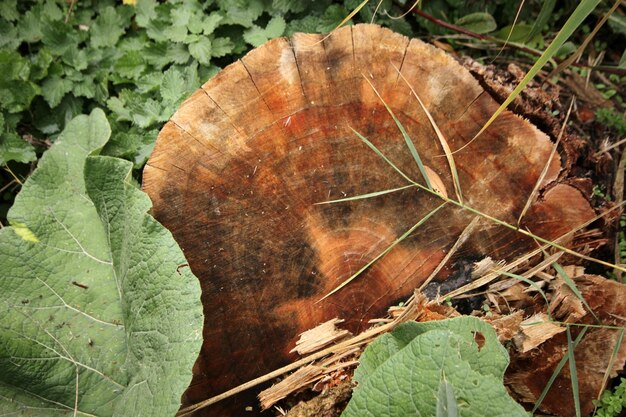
x=100 y=314
x=406 y=372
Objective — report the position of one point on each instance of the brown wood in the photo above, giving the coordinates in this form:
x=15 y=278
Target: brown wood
x=237 y=171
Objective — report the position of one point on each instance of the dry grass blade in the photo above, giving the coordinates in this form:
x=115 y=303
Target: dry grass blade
x=508 y=36
x=442 y=140
x=405 y=135
x=344 y=21
x=584 y=8
x=579 y=51
x=609 y=367
x=383 y=253
x=618 y=194
x=535 y=190
x=417 y=3
x=368 y=195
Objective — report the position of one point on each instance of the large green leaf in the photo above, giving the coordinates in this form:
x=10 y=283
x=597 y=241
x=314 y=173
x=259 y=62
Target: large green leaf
x=409 y=371
x=99 y=314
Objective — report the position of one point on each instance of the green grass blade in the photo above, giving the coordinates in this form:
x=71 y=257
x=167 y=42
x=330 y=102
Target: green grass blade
x=584 y=8
x=368 y=195
x=557 y=371
x=379 y=153
x=572 y=371
x=542 y=18
x=572 y=286
x=383 y=253
x=405 y=135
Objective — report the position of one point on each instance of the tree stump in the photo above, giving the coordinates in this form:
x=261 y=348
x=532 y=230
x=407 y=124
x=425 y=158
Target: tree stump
x=237 y=172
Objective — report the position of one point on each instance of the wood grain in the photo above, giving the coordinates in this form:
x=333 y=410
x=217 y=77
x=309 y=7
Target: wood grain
x=237 y=171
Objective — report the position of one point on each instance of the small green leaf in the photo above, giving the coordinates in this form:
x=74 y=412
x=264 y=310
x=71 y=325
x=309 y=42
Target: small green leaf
x=256 y=36
x=29 y=26
x=211 y=22
x=54 y=88
x=14 y=148
x=8 y=10
x=201 y=50
x=175 y=33
x=107 y=29
x=131 y=65
x=275 y=27
x=479 y=22
x=221 y=47
x=59 y=37
x=145 y=12
x=180 y=16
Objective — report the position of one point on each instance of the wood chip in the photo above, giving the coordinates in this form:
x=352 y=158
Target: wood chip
x=534 y=331
x=320 y=337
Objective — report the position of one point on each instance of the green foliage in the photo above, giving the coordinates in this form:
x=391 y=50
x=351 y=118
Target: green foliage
x=448 y=367
x=612 y=119
x=90 y=322
x=613 y=402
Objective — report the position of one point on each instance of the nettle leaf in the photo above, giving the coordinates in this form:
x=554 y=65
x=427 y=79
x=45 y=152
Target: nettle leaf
x=145 y=12
x=257 y=36
x=221 y=47
x=131 y=65
x=108 y=28
x=242 y=13
x=404 y=373
x=331 y=18
x=100 y=314
x=52 y=11
x=54 y=88
x=201 y=50
x=14 y=148
x=59 y=37
x=211 y=22
x=8 y=35
x=286 y=6
x=29 y=26
x=175 y=33
x=13 y=66
x=8 y=10
x=180 y=16
x=479 y=22
x=40 y=64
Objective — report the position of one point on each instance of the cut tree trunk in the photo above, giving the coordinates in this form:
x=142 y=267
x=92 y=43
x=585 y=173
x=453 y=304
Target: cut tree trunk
x=238 y=170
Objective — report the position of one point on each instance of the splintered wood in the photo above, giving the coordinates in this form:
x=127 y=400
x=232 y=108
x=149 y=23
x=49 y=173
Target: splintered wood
x=320 y=336
x=236 y=174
